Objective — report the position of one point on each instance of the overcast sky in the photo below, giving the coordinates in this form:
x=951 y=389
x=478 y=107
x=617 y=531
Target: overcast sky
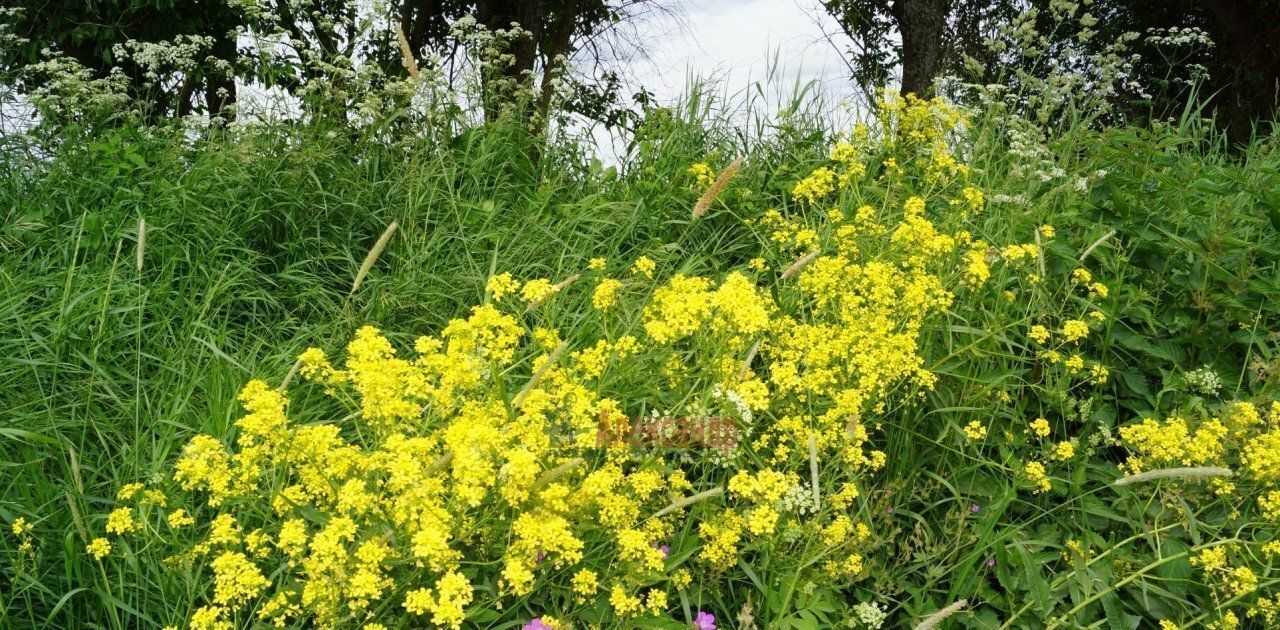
x=735 y=43
x=737 y=40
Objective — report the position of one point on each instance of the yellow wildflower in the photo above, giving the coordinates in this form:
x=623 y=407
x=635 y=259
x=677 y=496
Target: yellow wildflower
x=1036 y=475
x=179 y=518
x=1039 y=334
x=1040 y=427
x=1063 y=451
x=606 y=293
x=501 y=285
x=236 y=579
x=643 y=266
x=99 y=548
x=585 y=584
x=121 y=521
x=703 y=174
x=537 y=290
x=1075 y=330
x=816 y=186
x=975 y=430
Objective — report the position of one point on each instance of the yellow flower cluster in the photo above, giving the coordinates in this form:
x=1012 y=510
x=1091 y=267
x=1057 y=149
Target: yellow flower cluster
x=975 y=430
x=1066 y=352
x=644 y=266
x=816 y=186
x=99 y=548
x=472 y=470
x=1063 y=451
x=501 y=285
x=1230 y=581
x=1037 y=477
x=1020 y=253
x=1039 y=428
x=445 y=604
x=606 y=293
x=1074 y=330
x=1238 y=437
x=703 y=175
x=1173 y=442
x=537 y=290
x=920 y=131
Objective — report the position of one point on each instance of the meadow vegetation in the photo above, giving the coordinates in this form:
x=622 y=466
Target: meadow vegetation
x=943 y=335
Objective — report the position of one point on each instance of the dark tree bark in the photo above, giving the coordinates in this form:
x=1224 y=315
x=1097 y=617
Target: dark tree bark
x=1250 y=30
x=921 y=24
x=559 y=46
x=423 y=21
x=220 y=87
x=501 y=14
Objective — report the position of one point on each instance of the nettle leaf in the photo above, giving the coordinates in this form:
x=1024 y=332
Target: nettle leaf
x=1117 y=617
x=1165 y=351
x=800 y=622
x=1179 y=569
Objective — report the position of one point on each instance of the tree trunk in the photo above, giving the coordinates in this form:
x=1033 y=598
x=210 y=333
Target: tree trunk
x=921 y=24
x=423 y=21
x=501 y=14
x=220 y=87
x=559 y=46
x=1250 y=29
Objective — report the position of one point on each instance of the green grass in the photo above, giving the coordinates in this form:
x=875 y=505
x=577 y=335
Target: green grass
x=251 y=247
x=253 y=240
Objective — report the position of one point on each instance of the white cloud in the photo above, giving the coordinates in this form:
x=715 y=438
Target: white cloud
x=738 y=43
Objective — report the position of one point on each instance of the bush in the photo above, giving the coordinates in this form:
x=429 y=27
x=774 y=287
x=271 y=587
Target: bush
x=938 y=339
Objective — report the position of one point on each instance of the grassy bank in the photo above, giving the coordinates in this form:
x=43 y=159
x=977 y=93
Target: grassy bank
x=147 y=276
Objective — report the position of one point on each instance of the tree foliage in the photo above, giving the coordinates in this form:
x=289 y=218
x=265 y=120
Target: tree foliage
x=97 y=35
x=1237 y=76
x=343 y=47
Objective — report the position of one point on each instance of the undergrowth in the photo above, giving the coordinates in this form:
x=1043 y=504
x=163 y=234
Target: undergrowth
x=148 y=275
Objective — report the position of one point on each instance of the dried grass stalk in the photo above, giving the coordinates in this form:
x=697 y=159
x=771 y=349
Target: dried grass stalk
x=933 y=620
x=288 y=378
x=751 y=356
x=556 y=473
x=556 y=289
x=799 y=264
x=142 y=240
x=406 y=54
x=689 y=500
x=1040 y=254
x=75 y=517
x=722 y=182
x=373 y=255
x=1190 y=473
x=440 y=463
x=537 y=376
x=1089 y=250
x=567 y=281
x=813 y=472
